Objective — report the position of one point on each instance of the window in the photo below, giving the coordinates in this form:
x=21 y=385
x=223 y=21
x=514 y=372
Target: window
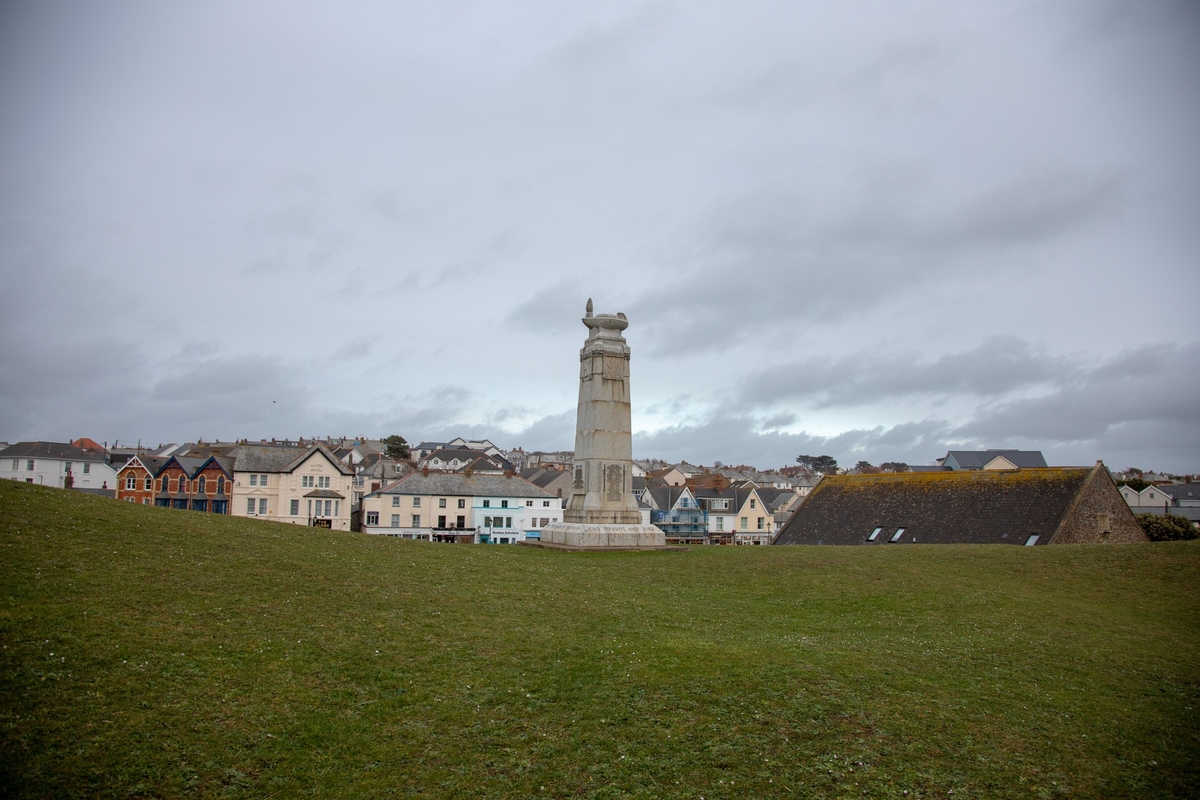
x=262 y=480
x=441 y=502
x=1032 y=540
x=295 y=507
x=149 y=483
x=416 y=521
x=182 y=484
x=545 y=521
x=86 y=468
x=395 y=520
x=395 y=499
x=441 y=520
x=221 y=485
x=487 y=503
x=323 y=481
x=372 y=517
x=262 y=506
x=200 y=485
x=874 y=534
x=508 y=522
x=249 y=505
x=720 y=523
x=306 y=481
x=760 y=523
x=683 y=503
x=145 y=501
x=130 y=482
x=416 y=503
x=16 y=464
x=545 y=504
x=752 y=501
x=29 y=465
x=529 y=504
x=460 y=521
x=896 y=536
x=504 y=504
x=166 y=483
x=254 y=480
x=462 y=503
x=67 y=468
x=744 y=521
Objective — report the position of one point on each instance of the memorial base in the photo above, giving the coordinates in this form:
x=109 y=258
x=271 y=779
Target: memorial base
x=572 y=536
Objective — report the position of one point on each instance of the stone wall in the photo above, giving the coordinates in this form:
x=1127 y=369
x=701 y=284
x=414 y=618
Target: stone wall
x=1100 y=515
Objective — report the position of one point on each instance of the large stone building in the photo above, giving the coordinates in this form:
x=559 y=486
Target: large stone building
x=1056 y=505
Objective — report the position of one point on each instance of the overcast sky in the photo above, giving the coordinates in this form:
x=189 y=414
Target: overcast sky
x=870 y=229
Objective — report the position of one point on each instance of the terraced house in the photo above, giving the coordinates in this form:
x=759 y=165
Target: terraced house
x=136 y=480
x=195 y=484
x=457 y=507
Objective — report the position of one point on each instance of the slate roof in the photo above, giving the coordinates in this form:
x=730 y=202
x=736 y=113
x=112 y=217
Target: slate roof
x=457 y=483
x=153 y=464
x=976 y=459
x=59 y=450
x=275 y=458
x=975 y=506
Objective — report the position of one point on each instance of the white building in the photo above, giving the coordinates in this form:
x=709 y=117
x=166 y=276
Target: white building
x=52 y=463
x=454 y=506
x=298 y=485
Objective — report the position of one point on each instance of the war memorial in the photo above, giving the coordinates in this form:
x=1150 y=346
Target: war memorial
x=602 y=512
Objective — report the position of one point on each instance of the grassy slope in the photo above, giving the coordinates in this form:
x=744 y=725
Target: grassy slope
x=150 y=651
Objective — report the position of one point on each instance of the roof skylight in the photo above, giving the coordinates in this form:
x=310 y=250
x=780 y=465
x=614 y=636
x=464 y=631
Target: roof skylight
x=896 y=536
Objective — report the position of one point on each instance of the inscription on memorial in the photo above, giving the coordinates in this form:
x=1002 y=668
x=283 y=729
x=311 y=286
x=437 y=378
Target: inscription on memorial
x=578 y=484
x=614 y=481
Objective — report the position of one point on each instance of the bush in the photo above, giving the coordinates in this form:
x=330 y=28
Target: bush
x=1168 y=528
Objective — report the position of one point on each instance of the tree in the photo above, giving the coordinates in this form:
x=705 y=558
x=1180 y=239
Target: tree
x=396 y=447
x=822 y=464
x=1168 y=528
x=894 y=466
x=866 y=468
x=1137 y=484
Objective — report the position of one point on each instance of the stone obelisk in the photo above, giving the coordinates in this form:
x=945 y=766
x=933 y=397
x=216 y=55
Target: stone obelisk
x=602 y=512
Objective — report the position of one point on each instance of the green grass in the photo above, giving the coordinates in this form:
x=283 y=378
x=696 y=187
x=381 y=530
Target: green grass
x=150 y=652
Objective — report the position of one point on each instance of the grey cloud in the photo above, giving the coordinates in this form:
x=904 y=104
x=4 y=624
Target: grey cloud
x=997 y=366
x=547 y=311
x=1156 y=384
x=793 y=260
x=739 y=440
x=552 y=432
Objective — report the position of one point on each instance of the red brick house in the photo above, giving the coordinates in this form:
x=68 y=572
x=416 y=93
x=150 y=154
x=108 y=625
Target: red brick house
x=1052 y=505
x=136 y=480
x=198 y=484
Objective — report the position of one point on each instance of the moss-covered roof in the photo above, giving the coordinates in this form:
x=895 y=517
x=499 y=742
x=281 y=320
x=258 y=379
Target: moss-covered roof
x=937 y=507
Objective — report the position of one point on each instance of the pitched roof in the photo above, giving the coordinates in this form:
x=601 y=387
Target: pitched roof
x=152 y=464
x=977 y=459
x=973 y=506
x=458 y=483
x=275 y=458
x=59 y=450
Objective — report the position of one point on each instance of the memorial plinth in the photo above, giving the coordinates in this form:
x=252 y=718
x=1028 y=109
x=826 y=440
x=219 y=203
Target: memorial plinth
x=602 y=512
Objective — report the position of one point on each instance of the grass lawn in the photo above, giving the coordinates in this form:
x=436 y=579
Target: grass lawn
x=152 y=652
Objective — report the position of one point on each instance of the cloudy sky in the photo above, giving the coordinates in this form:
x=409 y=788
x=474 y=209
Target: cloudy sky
x=875 y=230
